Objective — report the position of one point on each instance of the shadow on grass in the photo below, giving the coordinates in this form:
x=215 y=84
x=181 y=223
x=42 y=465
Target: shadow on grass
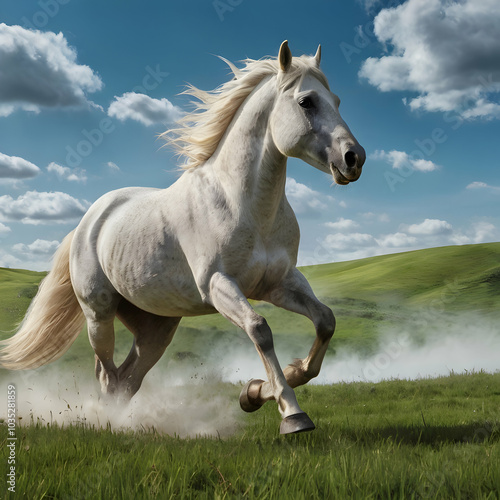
x=433 y=435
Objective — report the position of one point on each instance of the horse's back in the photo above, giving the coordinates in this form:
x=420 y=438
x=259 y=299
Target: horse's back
x=125 y=245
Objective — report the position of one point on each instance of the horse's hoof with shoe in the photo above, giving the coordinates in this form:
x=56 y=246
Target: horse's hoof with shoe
x=299 y=422
x=249 y=395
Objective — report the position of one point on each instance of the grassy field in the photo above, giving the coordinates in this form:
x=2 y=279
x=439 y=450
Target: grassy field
x=430 y=438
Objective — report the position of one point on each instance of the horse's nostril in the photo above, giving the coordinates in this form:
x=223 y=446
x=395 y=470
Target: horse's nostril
x=350 y=159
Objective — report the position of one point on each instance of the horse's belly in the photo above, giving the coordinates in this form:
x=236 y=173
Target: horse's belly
x=171 y=304
x=155 y=278
x=168 y=294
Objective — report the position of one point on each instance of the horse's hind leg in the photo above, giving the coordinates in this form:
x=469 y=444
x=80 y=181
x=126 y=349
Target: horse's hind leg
x=152 y=335
x=102 y=339
x=98 y=300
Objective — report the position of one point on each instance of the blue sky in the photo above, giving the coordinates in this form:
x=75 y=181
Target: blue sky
x=87 y=86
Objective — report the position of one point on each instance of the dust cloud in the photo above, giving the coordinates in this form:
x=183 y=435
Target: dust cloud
x=177 y=407
x=194 y=397
x=459 y=344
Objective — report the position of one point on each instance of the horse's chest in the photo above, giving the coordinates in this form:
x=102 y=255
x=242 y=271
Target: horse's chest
x=264 y=269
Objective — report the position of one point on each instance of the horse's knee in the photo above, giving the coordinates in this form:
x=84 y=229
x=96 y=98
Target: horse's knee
x=325 y=327
x=261 y=334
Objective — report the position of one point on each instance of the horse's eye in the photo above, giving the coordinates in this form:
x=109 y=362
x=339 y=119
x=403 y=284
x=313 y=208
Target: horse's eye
x=306 y=102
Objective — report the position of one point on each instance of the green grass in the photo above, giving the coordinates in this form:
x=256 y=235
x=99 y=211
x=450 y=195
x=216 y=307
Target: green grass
x=397 y=439
x=17 y=288
x=420 y=439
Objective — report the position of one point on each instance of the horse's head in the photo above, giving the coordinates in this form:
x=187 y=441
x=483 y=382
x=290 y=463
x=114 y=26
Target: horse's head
x=306 y=122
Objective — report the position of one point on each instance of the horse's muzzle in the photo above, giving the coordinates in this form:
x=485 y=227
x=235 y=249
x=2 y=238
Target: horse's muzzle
x=350 y=171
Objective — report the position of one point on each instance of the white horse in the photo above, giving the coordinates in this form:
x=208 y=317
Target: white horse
x=223 y=233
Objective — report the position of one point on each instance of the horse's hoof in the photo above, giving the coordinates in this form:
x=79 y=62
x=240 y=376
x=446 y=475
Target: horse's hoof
x=249 y=395
x=299 y=422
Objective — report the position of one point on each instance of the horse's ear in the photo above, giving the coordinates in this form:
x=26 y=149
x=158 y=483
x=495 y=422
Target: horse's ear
x=285 y=57
x=318 y=56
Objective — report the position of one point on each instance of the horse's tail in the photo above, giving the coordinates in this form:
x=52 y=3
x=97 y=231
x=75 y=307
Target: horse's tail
x=52 y=323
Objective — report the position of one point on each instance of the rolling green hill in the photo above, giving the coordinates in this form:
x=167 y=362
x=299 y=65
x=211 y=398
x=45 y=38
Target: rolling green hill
x=367 y=296
x=17 y=288
x=462 y=277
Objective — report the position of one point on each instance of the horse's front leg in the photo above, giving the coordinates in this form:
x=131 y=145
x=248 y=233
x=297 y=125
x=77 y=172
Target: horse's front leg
x=228 y=299
x=296 y=295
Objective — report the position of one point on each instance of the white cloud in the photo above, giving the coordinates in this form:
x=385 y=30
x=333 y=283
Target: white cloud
x=360 y=245
x=480 y=232
x=459 y=238
x=370 y=5
x=39 y=69
x=21 y=257
x=424 y=165
x=9 y=261
x=342 y=246
x=401 y=160
x=349 y=242
x=303 y=199
x=396 y=240
x=35 y=208
x=38 y=247
x=67 y=174
x=13 y=167
x=342 y=224
x=446 y=52
x=483 y=231
x=483 y=185
x=430 y=227
x=35 y=256
x=113 y=166
x=4 y=229
x=144 y=109
x=370 y=216
x=477 y=185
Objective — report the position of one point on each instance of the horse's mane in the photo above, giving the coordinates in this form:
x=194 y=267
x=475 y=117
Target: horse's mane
x=200 y=131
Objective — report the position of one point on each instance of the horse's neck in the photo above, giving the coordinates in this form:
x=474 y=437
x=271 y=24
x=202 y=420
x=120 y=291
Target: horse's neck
x=248 y=164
